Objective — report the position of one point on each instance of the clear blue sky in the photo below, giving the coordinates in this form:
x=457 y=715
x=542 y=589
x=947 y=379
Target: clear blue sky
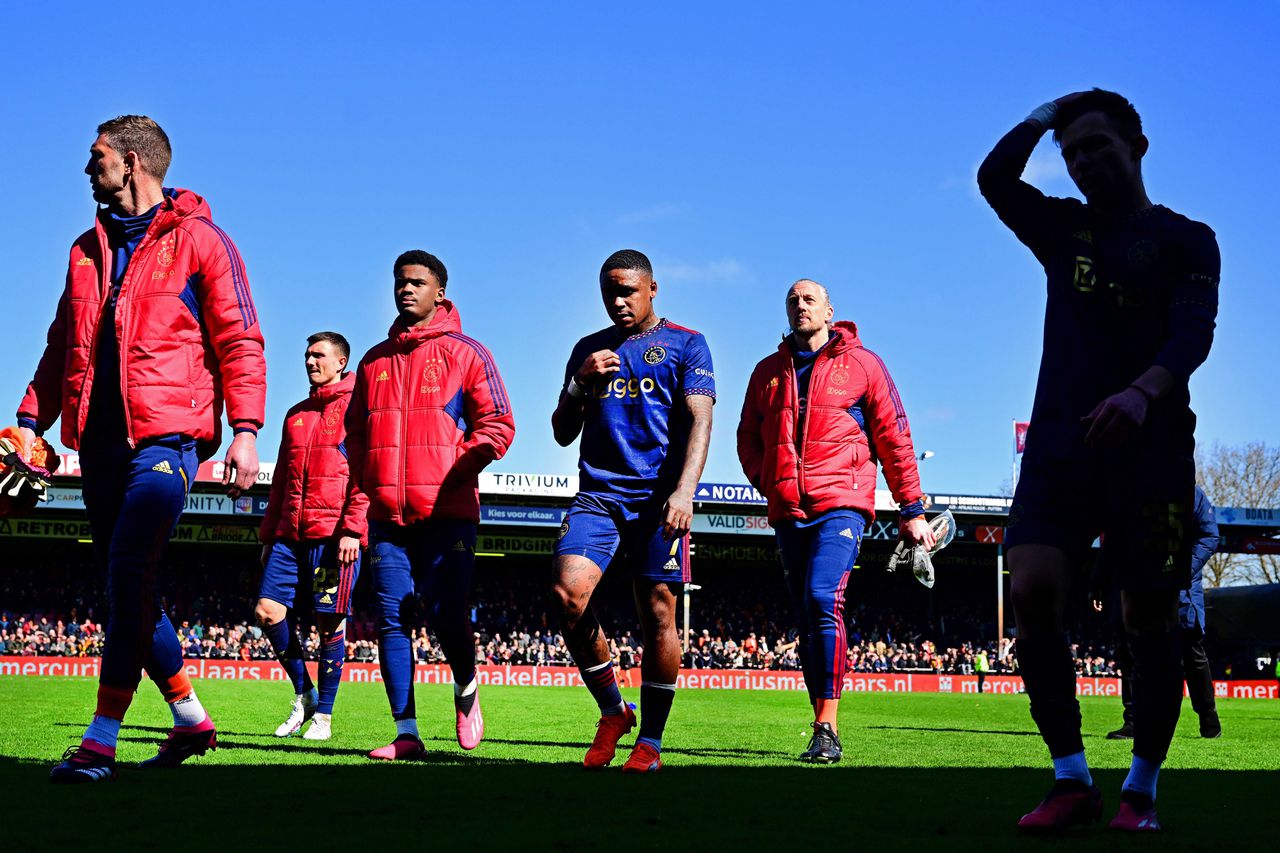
x=741 y=146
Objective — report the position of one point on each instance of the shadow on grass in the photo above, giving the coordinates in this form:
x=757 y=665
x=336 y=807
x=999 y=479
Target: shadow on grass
x=704 y=752
x=488 y=803
x=961 y=731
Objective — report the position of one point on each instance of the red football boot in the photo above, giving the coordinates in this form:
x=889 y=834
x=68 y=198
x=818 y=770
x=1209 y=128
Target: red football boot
x=609 y=731
x=1137 y=814
x=1068 y=803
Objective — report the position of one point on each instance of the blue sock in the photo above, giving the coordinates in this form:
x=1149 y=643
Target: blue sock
x=604 y=687
x=332 y=655
x=655 y=707
x=395 y=659
x=1072 y=767
x=1142 y=777
x=284 y=642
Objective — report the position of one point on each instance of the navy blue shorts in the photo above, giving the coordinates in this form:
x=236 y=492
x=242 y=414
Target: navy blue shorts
x=309 y=564
x=1141 y=504
x=599 y=531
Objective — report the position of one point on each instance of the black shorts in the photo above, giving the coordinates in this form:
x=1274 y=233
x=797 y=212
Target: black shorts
x=1139 y=501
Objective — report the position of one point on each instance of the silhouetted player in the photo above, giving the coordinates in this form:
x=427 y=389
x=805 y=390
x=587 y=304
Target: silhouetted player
x=1132 y=297
x=1191 y=615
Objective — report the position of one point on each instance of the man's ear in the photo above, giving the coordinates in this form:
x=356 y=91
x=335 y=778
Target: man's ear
x=1139 y=146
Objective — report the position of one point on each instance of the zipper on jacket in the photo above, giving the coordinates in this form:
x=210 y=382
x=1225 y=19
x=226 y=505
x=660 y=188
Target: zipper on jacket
x=804 y=418
x=122 y=324
x=404 y=432
x=104 y=284
x=306 y=469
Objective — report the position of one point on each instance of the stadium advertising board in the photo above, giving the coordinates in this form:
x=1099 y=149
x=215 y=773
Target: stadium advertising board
x=62 y=498
x=522 y=516
x=1249 y=516
x=567 y=676
x=209 y=472
x=728 y=493
x=201 y=534
x=488 y=544
x=532 y=485
x=970 y=504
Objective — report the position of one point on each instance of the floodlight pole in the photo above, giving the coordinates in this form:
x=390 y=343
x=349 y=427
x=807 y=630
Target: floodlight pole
x=999 y=596
x=688 y=588
x=684 y=637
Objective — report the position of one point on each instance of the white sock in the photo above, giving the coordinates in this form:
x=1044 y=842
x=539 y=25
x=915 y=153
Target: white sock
x=104 y=730
x=1073 y=767
x=321 y=718
x=187 y=711
x=407 y=727
x=459 y=690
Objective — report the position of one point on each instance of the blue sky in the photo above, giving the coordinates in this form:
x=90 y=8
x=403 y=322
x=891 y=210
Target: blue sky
x=741 y=146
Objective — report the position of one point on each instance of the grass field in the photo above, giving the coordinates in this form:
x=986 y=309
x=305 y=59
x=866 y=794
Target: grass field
x=948 y=771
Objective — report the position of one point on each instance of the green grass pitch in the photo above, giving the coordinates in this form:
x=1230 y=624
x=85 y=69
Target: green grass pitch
x=951 y=771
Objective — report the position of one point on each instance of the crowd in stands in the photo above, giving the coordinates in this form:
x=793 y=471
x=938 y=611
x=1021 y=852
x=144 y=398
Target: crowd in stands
x=734 y=625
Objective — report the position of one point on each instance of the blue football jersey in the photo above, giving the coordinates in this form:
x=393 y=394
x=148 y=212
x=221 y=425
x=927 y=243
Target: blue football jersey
x=636 y=426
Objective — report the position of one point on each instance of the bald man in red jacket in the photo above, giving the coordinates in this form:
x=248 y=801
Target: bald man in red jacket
x=819 y=413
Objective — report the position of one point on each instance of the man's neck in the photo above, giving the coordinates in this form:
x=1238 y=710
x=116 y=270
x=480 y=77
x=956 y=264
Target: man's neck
x=1133 y=201
x=137 y=199
x=648 y=324
x=425 y=321
x=811 y=341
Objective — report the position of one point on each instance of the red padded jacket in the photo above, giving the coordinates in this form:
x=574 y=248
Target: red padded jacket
x=428 y=413
x=309 y=492
x=853 y=418
x=186 y=328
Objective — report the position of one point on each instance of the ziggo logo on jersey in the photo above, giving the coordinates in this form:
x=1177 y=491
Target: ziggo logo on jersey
x=622 y=388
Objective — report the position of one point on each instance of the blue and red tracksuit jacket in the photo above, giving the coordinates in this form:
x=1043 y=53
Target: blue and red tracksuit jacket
x=309 y=492
x=185 y=325
x=854 y=417
x=428 y=413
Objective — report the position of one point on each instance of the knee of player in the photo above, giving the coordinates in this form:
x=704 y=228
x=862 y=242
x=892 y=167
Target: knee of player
x=1031 y=590
x=661 y=607
x=1148 y=615
x=569 y=603
x=268 y=612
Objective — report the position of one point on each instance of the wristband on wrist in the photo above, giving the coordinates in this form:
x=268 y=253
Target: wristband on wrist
x=908 y=511
x=574 y=390
x=1144 y=392
x=1044 y=114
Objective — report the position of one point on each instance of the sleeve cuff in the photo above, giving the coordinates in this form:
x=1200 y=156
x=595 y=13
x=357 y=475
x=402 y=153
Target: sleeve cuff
x=915 y=509
x=249 y=428
x=29 y=423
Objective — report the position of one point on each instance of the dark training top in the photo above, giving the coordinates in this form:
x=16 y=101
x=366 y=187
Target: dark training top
x=106 y=406
x=1124 y=294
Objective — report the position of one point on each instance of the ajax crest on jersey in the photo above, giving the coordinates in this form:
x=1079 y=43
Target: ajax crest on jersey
x=655 y=354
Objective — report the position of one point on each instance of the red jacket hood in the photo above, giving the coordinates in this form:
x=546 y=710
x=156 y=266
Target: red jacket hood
x=178 y=205
x=444 y=321
x=844 y=336
x=345 y=385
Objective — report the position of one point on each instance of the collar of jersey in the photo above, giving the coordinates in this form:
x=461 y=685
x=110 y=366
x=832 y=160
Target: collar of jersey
x=662 y=322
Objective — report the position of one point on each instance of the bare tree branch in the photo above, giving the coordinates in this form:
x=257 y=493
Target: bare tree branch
x=1245 y=475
